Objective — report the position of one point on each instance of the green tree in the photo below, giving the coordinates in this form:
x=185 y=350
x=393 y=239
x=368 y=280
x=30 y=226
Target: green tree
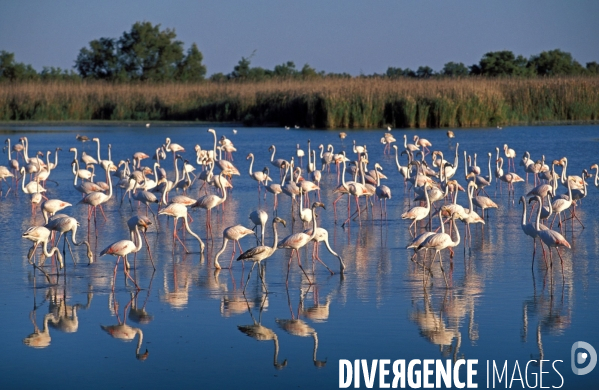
x=146 y=53
x=424 y=72
x=453 y=69
x=218 y=77
x=100 y=61
x=286 y=70
x=191 y=67
x=593 y=67
x=502 y=63
x=394 y=73
x=407 y=72
x=242 y=69
x=555 y=62
x=309 y=72
x=50 y=73
x=11 y=70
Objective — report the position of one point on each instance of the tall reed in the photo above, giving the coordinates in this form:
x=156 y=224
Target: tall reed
x=327 y=103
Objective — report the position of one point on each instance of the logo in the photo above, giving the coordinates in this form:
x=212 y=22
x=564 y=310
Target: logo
x=582 y=353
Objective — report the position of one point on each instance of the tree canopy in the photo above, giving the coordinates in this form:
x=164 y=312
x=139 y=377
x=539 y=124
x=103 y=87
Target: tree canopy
x=144 y=53
x=148 y=53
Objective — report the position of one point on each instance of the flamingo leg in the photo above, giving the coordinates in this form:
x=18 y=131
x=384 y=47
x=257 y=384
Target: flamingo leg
x=299 y=262
x=249 y=275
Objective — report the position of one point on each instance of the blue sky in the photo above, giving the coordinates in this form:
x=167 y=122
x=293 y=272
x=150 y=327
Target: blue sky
x=350 y=36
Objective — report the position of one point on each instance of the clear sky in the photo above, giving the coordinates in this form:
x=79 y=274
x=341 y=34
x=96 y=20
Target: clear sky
x=350 y=36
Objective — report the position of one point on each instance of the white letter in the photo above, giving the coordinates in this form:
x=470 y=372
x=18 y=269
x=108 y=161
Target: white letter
x=383 y=373
x=541 y=372
x=560 y=375
x=534 y=374
x=503 y=372
x=369 y=376
x=519 y=375
x=426 y=371
x=456 y=374
x=487 y=374
x=412 y=373
x=443 y=372
x=356 y=374
x=399 y=373
x=344 y=378
x=471 y=372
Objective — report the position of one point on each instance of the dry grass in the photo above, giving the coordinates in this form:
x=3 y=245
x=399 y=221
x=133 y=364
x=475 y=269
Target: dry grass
x=328 y=103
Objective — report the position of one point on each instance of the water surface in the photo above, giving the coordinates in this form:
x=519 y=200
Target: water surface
x=496 y=308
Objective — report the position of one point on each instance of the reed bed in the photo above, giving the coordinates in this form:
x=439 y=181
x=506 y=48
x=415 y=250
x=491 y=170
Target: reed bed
x=323 y=103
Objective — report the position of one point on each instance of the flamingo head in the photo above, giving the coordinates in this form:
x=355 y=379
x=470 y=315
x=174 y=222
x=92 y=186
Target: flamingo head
x=595 y=166
x=318 y=204
x=279 y=220
x=249 y=156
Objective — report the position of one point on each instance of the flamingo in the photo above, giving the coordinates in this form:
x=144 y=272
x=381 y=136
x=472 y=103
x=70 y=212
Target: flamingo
x=596 y=167
x=173 y=147
x=418 y=213
x=423 y=143
x=551 y=239
x=562 y=204
x=86 y=187
x=123 y=248
x=382 y=191
x=143 y=223
x=52 y=206
x=299 y=240
x=208 y=202
x=259 y=218
x=440 y=241
x=261 y=252
x=510 y=154
x=177 y=211
x=41 y=235
x=233 y=233
x=226 y=166
x=403 y=170
x=409 y=147
x=509 y=178
x=66 y=224
x=275 y=188
x=323 y=236
x=279 y=163
x=530 y=230
x=98 y=198
x=470 y=215
x=4 y=173
x=260 y=177
x=299 y=153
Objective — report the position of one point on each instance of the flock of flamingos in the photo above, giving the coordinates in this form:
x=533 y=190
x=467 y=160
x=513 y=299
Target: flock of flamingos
x=428 y=176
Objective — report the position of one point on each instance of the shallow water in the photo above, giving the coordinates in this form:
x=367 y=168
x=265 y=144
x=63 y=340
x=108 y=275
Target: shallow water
x=496 y=308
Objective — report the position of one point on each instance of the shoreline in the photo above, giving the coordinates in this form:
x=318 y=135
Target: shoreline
x=142 y=124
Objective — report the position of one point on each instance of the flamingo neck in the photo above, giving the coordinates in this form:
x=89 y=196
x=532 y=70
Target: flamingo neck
x=99 y=159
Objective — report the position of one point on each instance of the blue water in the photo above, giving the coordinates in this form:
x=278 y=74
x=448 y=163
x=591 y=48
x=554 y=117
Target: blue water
x=497 y=307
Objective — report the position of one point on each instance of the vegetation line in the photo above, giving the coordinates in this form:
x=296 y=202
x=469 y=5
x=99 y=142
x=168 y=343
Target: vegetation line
x=329 y=103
